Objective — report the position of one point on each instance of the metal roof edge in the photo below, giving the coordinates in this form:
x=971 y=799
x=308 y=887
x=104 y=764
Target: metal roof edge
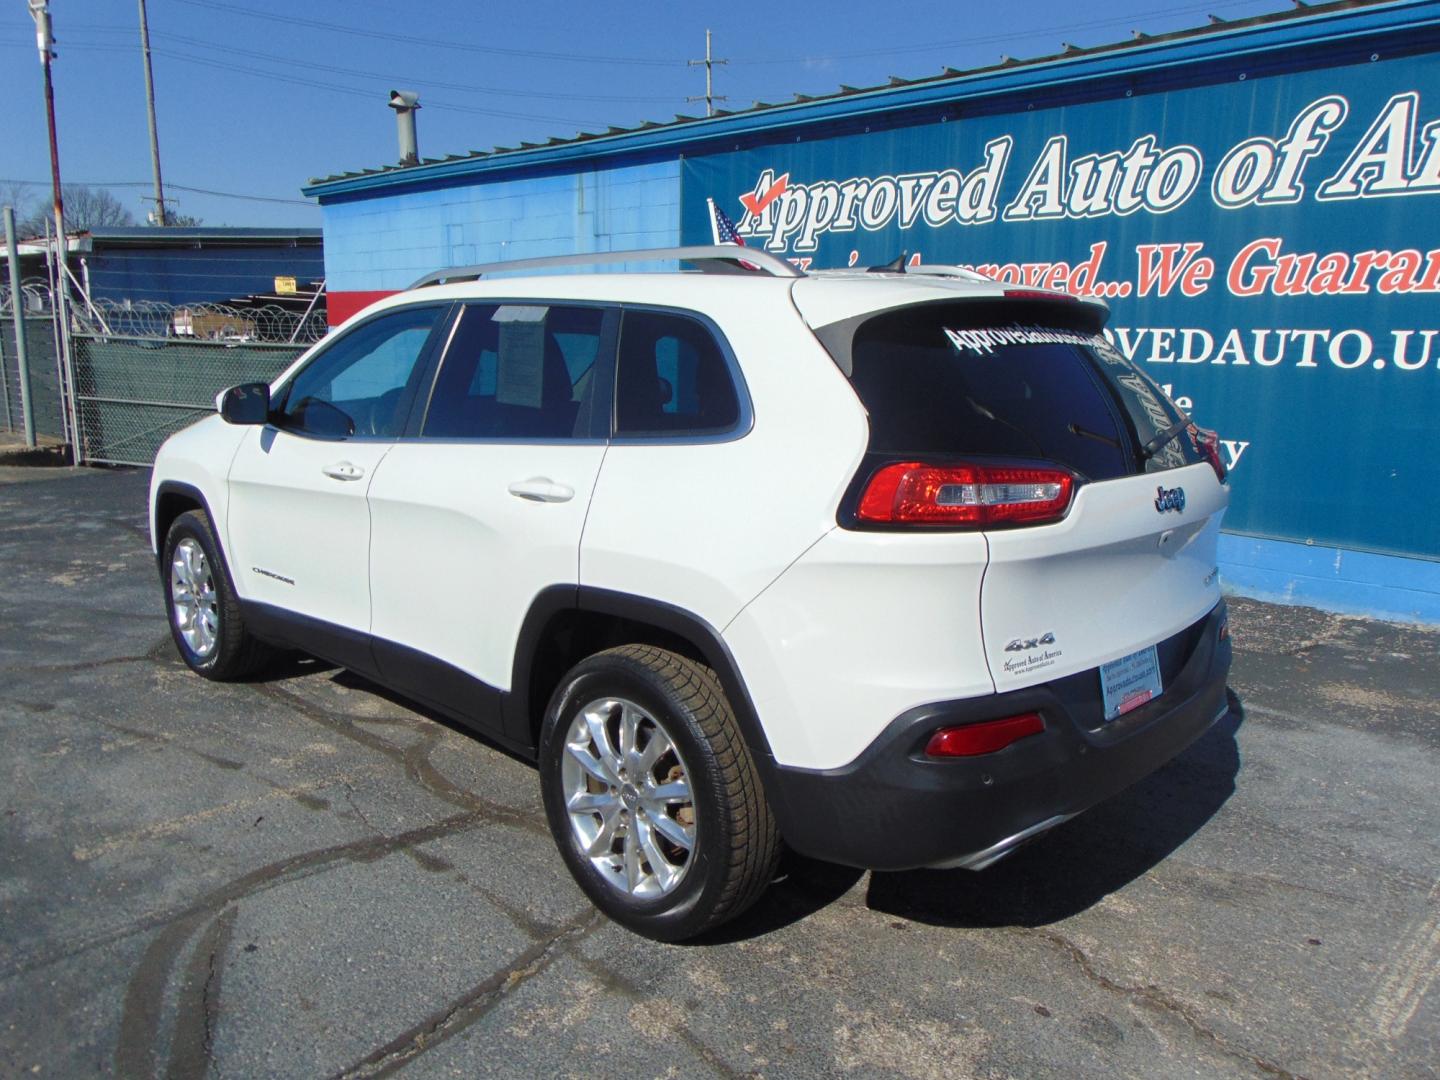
x=1345 y=22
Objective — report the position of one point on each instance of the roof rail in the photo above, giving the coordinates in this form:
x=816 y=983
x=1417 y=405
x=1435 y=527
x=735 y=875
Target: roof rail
x=709 y=258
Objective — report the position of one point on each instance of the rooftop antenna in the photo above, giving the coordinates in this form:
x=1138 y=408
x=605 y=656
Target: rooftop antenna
x=895 y=266
x=710 y=96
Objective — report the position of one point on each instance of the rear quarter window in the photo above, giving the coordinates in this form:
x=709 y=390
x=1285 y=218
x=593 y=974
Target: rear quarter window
x=672 y=378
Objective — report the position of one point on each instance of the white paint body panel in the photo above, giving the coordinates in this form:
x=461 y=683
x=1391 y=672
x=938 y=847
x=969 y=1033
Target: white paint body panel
x=862 y=627
x=457 y=559
x=1114 y=576
x=707 y=525
x=289 y=518
x=198 y=456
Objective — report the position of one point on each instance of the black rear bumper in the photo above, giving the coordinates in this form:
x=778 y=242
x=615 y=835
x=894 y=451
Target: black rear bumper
x=895 y=809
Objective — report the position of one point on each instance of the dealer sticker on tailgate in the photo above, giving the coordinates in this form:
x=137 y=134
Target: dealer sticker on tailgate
x=1130 y=682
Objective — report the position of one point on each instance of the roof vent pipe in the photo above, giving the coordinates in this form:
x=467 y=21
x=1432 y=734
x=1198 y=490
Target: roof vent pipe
x=405 y=102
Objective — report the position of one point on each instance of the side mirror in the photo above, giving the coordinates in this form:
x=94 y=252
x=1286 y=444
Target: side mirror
x=246 y=404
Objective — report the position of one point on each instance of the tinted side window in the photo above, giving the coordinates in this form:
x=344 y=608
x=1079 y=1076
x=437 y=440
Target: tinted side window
x=516 y=371
x=357 y=384
x=671 y=377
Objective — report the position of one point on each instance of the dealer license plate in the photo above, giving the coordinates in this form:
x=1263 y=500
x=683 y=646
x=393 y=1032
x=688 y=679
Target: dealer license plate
x=1130 y=682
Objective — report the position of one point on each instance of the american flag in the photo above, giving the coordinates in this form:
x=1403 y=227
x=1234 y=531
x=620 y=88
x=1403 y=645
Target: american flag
x=722 y=228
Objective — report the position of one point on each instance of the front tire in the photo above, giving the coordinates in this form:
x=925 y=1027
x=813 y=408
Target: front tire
x=201 y=604
x=652 y=795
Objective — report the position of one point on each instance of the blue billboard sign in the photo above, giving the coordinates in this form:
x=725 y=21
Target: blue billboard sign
x=1269 y=246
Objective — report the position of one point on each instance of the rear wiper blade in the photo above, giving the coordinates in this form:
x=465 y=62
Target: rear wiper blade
x=1153 y=447
x=1076 y=429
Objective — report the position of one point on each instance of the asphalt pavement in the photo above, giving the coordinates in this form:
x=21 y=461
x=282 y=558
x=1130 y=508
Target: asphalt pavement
x=304 y=875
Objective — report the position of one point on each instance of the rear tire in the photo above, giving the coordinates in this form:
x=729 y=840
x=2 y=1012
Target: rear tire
x=200 y=601
x=652 y=795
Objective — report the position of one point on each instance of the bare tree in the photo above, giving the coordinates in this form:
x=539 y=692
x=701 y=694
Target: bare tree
x=183 y=221
x=21 y=197
x=89 y=208
x=85 y=208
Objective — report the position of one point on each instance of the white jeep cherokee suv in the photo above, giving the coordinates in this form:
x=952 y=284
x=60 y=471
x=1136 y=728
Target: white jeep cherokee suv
x=896 y=569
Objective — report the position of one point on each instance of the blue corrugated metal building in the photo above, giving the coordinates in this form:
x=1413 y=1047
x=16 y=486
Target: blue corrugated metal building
x=138 y=264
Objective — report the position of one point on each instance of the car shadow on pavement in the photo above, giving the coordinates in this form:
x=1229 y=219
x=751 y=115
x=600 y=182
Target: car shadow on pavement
x=1081 y=862
x=288 y=665
x=1056 y=876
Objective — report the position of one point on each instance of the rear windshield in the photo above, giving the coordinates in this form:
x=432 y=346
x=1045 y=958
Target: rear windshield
x=975 y=379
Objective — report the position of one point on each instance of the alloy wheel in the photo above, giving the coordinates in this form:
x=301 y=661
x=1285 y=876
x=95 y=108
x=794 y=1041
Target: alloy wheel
x=627 y=793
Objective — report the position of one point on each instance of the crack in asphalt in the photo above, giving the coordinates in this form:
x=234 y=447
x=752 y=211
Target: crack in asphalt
x=470 y=1006
x=281 y=872
x=1155 y=998
x=414 y=758
x=138 y=1044
x=83 y=665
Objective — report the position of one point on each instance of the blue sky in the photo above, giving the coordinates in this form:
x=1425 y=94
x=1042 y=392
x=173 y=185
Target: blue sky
x=254 y=98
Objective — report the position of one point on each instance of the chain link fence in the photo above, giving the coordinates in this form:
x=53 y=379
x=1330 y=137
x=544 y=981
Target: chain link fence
x=132 y=393
x=141 y=370
x=45 y=399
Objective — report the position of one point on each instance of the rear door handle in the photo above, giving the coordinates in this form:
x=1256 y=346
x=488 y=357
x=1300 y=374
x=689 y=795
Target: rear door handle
x=541 y=489
x=343 y=470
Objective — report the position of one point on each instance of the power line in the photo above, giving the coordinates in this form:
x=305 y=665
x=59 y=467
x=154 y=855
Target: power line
x=529 y=54
x=170 y=184
x=309 y=62
x=412 y=79
x=996 y=39
x=368 y=94
x=316 y=84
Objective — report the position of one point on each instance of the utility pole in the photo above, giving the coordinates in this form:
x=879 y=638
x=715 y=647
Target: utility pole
x=45 y=42
x=160 y=215
x=710 y=97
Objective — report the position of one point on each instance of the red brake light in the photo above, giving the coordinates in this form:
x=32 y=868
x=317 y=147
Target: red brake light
x=970 y=740
x=1208 y=443
x=914 y=493
x=1036 y=294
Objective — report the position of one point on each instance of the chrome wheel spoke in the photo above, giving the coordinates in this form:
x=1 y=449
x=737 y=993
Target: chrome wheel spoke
x=629 y=727
x=679 y=835
x=591 y=802
x=664 y=871
x=604 y=840
x=633 y=871
x=594 y=767
x=597 y=723
x=654 y=750
x=675 y=791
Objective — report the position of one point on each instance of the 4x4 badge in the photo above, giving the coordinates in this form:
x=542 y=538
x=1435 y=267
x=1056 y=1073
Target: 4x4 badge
x=1026 y=644
x=1171 y=499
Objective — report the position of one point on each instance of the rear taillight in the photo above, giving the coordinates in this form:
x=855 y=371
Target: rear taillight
x=970 y=740
x=914 y=493
x=1208 y=444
